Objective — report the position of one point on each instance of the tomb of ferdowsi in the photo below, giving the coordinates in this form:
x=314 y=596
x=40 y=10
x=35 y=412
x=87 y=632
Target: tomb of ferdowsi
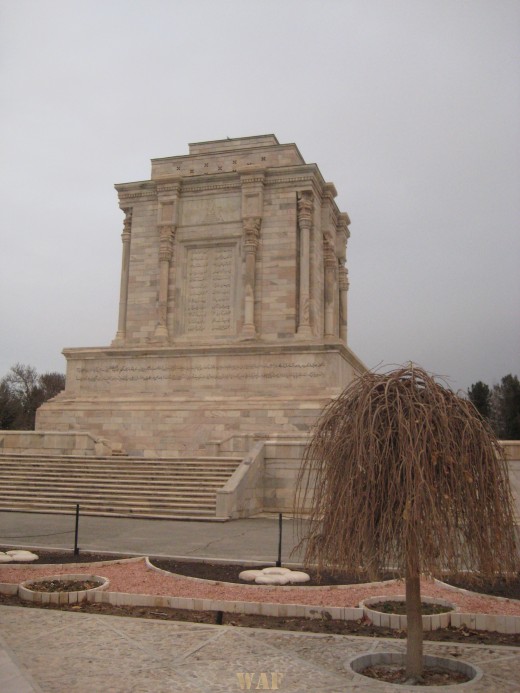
x=231 y=337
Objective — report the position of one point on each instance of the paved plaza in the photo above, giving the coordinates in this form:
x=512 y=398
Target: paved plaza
x=64 y=652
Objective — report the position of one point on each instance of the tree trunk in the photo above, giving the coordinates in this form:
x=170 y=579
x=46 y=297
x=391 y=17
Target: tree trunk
x=414 y=642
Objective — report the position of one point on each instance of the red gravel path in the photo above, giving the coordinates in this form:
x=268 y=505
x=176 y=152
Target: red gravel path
x=134 y=577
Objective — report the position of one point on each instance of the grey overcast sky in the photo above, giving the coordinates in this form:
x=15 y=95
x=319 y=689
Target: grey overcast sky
x=411 y=107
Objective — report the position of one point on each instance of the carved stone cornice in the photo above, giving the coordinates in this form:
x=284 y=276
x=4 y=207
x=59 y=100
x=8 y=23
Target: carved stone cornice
x=252 y=176
x=200 y=187
x=133 y=196
x=329 y=191
x=169 y=188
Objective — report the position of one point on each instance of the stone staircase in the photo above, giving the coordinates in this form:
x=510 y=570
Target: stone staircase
x=169 y=488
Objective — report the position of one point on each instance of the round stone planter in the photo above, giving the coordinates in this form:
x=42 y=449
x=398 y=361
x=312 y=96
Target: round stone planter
x=358 y=663
x=398 y=621
x=25 y=590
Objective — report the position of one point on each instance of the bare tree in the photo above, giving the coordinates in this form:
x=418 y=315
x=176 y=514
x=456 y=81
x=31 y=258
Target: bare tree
x=22 y=391
x=405 y=473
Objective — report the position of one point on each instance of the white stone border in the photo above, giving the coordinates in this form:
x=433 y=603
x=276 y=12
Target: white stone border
x=358 y=662
x=484 y=622
x=399 y=621
x=74 y=597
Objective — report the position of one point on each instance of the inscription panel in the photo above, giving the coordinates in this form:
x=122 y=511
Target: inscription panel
x=208 y=290
x=212 y=209
x=165 y=376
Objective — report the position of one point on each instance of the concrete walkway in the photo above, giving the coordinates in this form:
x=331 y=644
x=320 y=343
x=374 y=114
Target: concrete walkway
x=64 y=652
x=251 y=539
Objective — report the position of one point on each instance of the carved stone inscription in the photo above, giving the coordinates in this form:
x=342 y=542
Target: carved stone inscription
x=141 y=373
x=209 y=290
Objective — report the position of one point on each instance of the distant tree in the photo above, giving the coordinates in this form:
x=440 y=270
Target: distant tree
x=480 y=396
x=51 y=384
x=22 y=391
x=10 y=409
x=505 y=405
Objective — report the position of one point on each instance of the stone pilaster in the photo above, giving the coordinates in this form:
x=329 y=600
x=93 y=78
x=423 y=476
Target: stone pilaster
x=305 y=210
x=251 y=227
x=343 y=234
x=168 y=194
x=125 y=271
x=330 y=290
x=252 y=182
x=343 y=293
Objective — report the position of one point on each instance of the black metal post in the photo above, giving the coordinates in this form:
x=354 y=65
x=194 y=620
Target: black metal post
x=76 y=549
x=279 y=561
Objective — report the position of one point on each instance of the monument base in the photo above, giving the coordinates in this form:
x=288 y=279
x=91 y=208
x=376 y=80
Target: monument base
x=168 y=401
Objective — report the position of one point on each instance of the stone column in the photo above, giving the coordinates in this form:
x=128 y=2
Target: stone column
x=343 y=291
x=331 y=265
x=342 y=236
x=252 y=181
x=305 y=208
x=167 y=236
x=125 y=269
x=251 y=227
x=168 y=193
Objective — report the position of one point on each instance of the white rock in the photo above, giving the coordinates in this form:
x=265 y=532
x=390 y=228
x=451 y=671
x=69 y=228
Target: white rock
x=272 y=580
x=298 y=576
x=276 y=571
x=23 y=556
x=4 y=558
x=249 y=575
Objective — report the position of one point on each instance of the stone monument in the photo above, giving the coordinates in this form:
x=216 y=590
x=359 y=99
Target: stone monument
x=233 y=306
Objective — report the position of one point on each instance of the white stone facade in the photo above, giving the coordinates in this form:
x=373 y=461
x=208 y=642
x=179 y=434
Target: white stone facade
x=233 y=305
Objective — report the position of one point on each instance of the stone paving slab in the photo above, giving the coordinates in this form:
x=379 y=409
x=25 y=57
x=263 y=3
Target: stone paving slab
x=65 y=652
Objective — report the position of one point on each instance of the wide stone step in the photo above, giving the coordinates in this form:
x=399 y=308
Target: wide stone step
x=126 y=487
x=101 y=489
x=109 y=478
x=170 y=513
x=112 y=484
x=126 y=500
x=121 y=461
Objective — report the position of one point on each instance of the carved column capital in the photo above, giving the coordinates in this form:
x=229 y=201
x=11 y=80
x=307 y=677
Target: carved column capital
x=305 y=208
x=343 y=278
x=127 y=224
x=251 y=226
x=329 y=254
x=167 y=235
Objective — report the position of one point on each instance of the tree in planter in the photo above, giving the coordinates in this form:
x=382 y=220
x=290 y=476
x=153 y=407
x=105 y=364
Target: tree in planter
x=401 y=471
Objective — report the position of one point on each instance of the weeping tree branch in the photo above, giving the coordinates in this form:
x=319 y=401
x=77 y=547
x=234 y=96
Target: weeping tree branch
x=401 y=471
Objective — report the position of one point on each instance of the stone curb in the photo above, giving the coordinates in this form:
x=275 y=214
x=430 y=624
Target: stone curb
x=484 y=622
x=358 y=662
x=399 y=621
x=29 y=595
